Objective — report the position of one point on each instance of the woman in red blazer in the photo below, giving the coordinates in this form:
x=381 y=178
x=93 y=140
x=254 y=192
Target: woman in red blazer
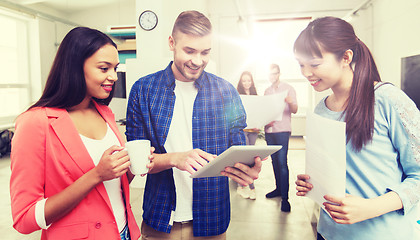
x=69 y=171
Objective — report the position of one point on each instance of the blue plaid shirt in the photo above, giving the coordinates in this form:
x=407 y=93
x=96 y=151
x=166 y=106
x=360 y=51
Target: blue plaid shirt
x=217 y=123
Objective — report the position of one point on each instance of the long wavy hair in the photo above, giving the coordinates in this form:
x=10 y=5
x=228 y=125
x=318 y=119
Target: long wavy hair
x=336 y=36
x=66 y=84
x=240 y=87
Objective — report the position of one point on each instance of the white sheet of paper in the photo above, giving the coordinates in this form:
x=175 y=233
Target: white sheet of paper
x=261 y=110
x=325 y=157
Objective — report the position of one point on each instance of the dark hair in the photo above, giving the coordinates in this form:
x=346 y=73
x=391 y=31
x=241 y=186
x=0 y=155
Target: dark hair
x=192 y=23
x=240 y=87
x=336 y=36
x=66 y=84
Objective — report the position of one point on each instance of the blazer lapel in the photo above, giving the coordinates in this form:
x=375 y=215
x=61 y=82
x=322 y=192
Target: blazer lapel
x=67 y=133
x=69 y=136
x=110 y=119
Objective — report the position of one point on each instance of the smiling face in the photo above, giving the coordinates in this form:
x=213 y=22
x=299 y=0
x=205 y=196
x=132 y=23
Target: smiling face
x=327 y=71
x=246 y=81
x=100 y=71
x=191 y=55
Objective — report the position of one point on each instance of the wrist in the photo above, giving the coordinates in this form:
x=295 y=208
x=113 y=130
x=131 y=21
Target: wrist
x=165 y=160
x=94 y=176
x=386 y=203
x=170 y=159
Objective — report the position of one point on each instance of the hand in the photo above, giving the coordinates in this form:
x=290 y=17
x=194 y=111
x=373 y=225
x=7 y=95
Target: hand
x=288 y=100
x=113 y=163
x=302 y=186
x=292 y=105
x=151 y=164
x=270 y=124
x=243 y=174
x=192 y=160
x=349 y=209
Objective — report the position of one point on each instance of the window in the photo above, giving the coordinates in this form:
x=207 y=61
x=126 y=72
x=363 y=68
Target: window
x=273 y=41
x=15 y=87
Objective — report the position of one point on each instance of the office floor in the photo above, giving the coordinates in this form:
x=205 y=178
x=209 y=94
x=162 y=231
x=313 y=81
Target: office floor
x=259 y=219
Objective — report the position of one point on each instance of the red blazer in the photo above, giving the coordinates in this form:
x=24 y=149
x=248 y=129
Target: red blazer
x=47 y=156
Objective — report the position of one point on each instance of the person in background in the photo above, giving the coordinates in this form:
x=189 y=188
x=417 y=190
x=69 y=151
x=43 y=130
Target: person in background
x=246 y=86
x=189 y=116
x=69 y=171
x=278 y=133
x=383 y=136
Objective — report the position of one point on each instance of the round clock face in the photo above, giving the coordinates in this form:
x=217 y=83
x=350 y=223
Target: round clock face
x=148 y=20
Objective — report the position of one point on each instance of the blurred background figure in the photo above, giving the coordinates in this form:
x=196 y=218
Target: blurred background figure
x=277 y=133
x=246 y=86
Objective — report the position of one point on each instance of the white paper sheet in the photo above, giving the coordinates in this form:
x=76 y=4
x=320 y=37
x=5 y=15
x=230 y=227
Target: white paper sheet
x=325 y=157
x=261 y=110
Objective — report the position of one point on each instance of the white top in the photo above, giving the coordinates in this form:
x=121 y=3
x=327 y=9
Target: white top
x=95 y=149
x=180 y=140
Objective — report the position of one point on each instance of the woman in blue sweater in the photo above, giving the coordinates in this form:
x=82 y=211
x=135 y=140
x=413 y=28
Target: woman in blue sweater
x=383 y=136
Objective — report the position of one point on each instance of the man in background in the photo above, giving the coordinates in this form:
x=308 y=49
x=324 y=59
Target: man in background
x=278 y=133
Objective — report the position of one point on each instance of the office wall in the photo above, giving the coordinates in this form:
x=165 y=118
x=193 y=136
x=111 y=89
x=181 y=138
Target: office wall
x=392 y=30
x=45 y=34
x=50 y=34
x=387 y=27
x=225 y=18
x=232 y=58
x=120 y=13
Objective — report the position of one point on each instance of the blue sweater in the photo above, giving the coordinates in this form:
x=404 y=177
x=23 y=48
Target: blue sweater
x=391 y=162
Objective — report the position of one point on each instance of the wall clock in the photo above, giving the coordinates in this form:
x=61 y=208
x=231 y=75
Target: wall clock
x=148 y=20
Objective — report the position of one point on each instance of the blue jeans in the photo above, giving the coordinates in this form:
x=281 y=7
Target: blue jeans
x=125 y=233
x=251 y=138
x=279 y=161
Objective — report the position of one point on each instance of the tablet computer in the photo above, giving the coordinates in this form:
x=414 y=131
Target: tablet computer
x=243 y=154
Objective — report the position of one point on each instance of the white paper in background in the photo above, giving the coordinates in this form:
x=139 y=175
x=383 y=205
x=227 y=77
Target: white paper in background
x=281 y=98
x=325 y=157
x=261 y=110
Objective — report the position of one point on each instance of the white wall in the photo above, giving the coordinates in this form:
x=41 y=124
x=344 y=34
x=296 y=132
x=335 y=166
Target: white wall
x=387 y=27
x=121 y=12
x=392 y=34
x=224 y=15
x=51 y=33
x=45 y=34
x=231 y=58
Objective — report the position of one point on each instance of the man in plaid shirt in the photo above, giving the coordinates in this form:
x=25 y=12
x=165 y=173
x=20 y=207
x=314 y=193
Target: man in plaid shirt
x=190 y=116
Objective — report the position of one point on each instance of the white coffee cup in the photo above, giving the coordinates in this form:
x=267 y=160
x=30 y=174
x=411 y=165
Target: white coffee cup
x=139 y=151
